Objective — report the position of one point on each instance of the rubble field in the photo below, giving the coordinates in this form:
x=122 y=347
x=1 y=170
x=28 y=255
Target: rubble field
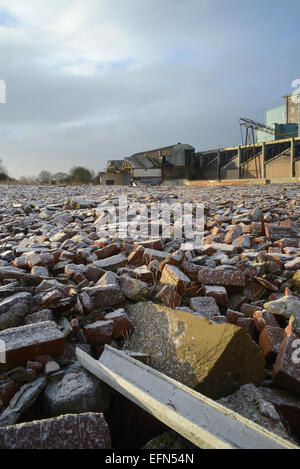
x=222 y=317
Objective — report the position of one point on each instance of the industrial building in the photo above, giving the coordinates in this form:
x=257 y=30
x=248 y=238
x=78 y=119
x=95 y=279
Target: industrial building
x=283 y=119
x=177 y=161
x=274 y=160
x=269 y=152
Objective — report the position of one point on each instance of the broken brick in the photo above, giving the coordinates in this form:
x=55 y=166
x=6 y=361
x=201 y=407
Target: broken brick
x=99 y=332
x=205 y=305
x=286 y=371
x=269 y=341
x=72 y=431
x=169 y=297
x=225 y=278
x=27 y=342
x=217 y=292
x=121 y=323
x=173 y=276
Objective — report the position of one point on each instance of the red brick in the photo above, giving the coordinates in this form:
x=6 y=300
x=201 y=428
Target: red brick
x=121 y=323
x=172 y=275
x=27 y=342
x=99 y=332
x=136 y=258
x=101 y=242
x=86 y=302
x=207 y=306
x=264 y=318
x=105 y=296
x=248 y=310
x=176 y=258
x=107 y=251
x=234 y=233
x=248 y=325
x=152 y=254
x=80 y=431
x=233 y=316
x=278 y=231
x=34 y=366
x=284 y=243
x=265 y=283
x=169 y=297
x=225 y=278
x=219 y=293
x=156 y=244
x=93 y=274
x=191 y=270
x=269 y=341
x=286 y=371
x=144 y=274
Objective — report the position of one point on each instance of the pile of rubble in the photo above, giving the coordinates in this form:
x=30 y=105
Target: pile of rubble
x=216 y=318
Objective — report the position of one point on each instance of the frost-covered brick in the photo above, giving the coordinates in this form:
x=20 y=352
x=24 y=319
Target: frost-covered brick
x=27 y=342
x=72 y=431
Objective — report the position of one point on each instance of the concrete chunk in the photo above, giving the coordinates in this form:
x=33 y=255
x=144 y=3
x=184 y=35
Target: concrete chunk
x=213 y=358
x=77 y=392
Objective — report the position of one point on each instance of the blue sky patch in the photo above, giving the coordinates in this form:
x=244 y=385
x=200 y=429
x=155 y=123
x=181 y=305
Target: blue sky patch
x=6 y=19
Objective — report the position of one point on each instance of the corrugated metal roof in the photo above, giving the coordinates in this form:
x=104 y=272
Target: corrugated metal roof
x=117 y=163
x=141 y=153
x=143 y=162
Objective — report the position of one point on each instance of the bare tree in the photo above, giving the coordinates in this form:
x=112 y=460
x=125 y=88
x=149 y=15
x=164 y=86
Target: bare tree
x=44 y=177
x=3 y=171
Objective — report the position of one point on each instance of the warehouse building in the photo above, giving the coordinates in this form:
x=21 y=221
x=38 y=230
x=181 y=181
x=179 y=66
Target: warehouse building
x=173 y=162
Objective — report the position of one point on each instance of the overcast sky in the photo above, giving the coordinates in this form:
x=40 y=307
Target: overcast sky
x=93 y=80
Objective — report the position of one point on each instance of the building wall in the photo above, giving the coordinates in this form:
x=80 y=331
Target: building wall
x=273 y=116
x=178 y=154
x=292 y=111
x=116 y=179
x=230 y=170
x=276 y=116
x=153 y=172
x=148 y=181
x=249 y=170
x=175 y=172
x=210 y=172
x=297 y=169
x=279 y=167
x=290 y=129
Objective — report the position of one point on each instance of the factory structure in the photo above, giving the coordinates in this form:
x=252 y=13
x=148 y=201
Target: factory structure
x=269 y=151
x=154 y=166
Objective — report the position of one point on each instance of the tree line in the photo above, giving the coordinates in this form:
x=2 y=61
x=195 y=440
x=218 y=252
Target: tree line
x=76 y=175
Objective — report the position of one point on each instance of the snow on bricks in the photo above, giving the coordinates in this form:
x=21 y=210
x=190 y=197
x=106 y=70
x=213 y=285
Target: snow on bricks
x=99 y=332
x=121 y=323
x=286 y=371
x=105 y=296
x=223 y=277
x=27 y=342
x=205 y=306
x=72 y=431
x=64 y=285
x=172 y=275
